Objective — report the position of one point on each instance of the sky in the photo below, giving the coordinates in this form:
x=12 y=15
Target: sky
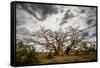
x=31 y=17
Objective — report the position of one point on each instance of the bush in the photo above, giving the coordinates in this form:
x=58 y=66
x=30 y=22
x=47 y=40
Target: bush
x=24 y=56
x=50 y=55
x=21 y=56
x=32 y=57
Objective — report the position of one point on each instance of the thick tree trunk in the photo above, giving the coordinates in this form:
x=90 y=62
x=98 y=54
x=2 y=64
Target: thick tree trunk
x=69 y=47
x=67 y=50
x=59 y=50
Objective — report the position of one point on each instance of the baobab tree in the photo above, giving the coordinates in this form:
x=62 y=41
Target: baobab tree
x=57 y=40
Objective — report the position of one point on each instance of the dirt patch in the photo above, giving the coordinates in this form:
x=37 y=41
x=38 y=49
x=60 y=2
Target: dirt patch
x=69 y=58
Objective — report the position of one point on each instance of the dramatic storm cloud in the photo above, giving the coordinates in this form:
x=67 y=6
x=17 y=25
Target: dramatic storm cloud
x=30 y=17
x=39 y=11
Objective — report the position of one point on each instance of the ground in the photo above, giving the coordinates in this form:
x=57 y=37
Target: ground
x=68 y=58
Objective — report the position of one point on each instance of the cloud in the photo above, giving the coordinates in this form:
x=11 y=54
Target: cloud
x=67 y=15
x=22 y=17
x=30 y=17
x=63 y=22
x=39 y=9
x=23 y=31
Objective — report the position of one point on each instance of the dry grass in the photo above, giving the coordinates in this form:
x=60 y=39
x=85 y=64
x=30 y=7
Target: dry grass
x=69 y=58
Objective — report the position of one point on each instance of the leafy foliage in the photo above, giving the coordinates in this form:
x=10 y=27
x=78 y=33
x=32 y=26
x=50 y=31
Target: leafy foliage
x=50 y=55
x=25 y=56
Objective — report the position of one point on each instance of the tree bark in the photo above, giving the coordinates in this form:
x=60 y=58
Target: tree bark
x=67 y=50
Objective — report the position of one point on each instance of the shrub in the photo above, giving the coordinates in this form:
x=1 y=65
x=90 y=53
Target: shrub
x=21 y=56
x=50 y=55
x=24 y=56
